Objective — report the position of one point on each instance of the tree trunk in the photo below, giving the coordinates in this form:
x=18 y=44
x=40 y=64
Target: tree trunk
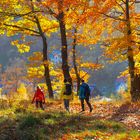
x=74 y=61
x=135 y=80
x=46 y=66
x=136 y=89
x=45 y=58
x=65 y=66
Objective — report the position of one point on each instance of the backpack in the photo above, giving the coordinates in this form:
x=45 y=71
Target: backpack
x=86 y=90
x=68 y=89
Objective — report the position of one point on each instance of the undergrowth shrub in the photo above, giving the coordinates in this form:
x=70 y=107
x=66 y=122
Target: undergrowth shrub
x=29 y=121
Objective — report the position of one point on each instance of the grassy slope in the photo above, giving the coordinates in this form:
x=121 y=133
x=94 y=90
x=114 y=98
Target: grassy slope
x=55 y=125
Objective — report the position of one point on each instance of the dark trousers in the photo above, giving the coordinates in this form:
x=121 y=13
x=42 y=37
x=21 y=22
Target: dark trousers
x=88 y=103
x=66 y=104
x=39 y=103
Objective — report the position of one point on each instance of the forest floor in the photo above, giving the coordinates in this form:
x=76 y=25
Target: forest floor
x=108 y=121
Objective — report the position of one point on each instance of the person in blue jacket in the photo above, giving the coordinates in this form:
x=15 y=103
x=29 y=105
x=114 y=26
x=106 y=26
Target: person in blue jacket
x=84 y=94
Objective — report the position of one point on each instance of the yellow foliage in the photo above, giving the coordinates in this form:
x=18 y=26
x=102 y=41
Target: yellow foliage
x=37 y=56
x=22 y=48
x=94 y=66
x=137 y=64
x=22 y=92
x=43 y=87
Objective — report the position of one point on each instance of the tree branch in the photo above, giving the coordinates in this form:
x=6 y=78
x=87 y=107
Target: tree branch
x=51 y=12
x=120 y=6
x=123 y=1
x=19 y=15
x=21 y=28
x=116 y=18
x=135 y=42
x=137 y=1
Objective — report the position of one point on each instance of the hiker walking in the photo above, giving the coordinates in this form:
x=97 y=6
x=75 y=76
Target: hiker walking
x=39 y=98
x=84 y=94
x=66 y=94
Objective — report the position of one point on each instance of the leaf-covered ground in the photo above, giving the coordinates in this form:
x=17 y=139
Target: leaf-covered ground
x=108 y=121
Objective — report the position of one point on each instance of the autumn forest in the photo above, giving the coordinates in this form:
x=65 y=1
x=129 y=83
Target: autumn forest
x=61 y=45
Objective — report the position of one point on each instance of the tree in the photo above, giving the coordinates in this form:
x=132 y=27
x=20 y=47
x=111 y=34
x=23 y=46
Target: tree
x=135 y=78
x=28 y=21
x=58 y=9
x=82 y=31
x=74 y=61
x=121 y=38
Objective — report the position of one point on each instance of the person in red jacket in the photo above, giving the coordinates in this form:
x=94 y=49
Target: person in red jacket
x=39 y=98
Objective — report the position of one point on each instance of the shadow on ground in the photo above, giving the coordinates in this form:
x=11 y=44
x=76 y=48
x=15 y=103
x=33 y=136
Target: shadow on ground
x=60 y=125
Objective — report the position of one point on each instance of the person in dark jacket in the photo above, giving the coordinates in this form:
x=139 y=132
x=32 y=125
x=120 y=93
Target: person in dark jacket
x=84 y=94
x=39 y=98
x=66 y=94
